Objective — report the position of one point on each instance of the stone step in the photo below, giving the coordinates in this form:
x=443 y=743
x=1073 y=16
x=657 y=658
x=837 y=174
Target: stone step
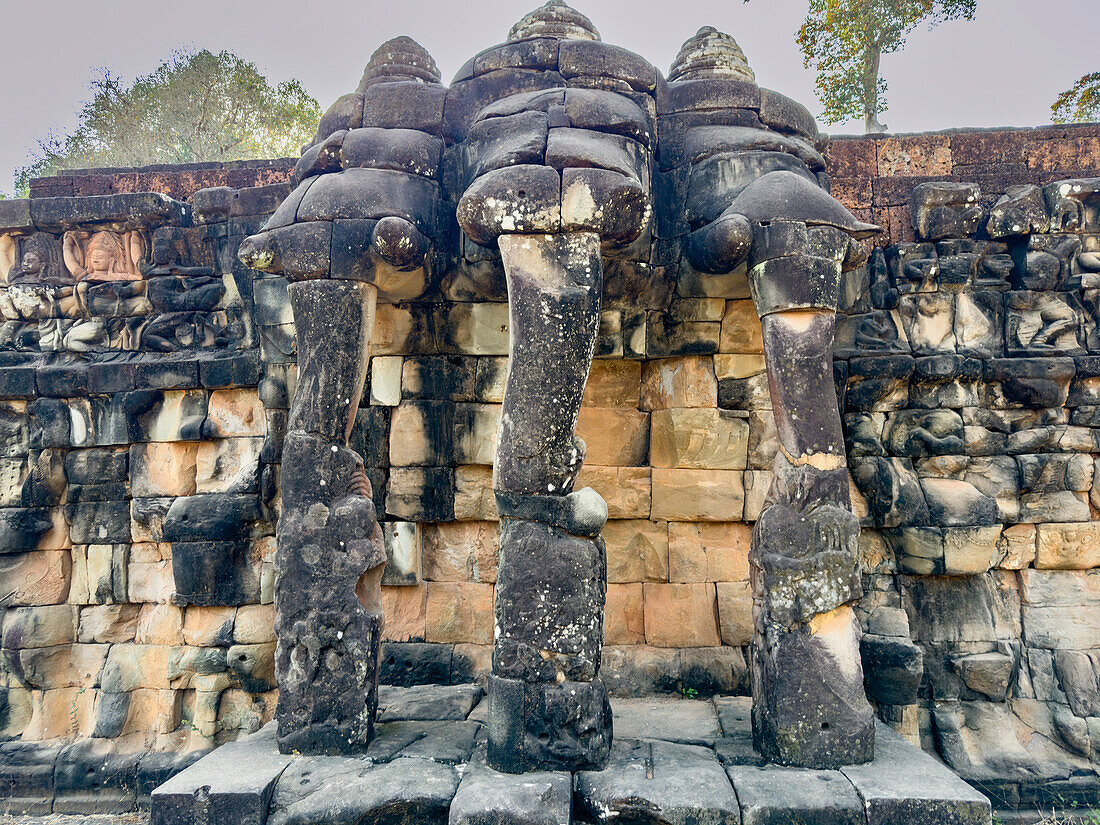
x=674 y=762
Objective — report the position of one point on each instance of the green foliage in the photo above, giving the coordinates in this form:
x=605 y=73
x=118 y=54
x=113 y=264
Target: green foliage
x=194 y=107
x=1080 y=103
x=844 y=40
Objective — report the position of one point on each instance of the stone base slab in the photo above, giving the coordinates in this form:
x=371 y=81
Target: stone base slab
x=433 y=770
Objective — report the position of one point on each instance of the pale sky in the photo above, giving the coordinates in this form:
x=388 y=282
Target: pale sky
x=1003 y=69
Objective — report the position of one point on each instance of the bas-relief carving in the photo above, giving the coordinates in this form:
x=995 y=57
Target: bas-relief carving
x=103 y=255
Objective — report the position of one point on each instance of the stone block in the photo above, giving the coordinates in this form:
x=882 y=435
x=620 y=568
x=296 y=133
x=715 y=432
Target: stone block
x=615 y=437
x=679 y=382
x=60 y=713
x=637 y=550
x=234 y=784
x=741 y=332
x=253 y=665
x=108 y=623
x=658 y=782
x=624 y=615
x=1073 y=546
x=228 y=465
x=474 y=498
x=422 y=433
x=475 y=433
x=463 y=551
x=708 y=552
x=459 y=612
x=713 y=670
x=41 y=577
x=402 y=542
x=613 y=383
x=39 y=627
x=735 y=612
x=486 y=795
x=163 y=469
x=405 y=612
x=681 y=615
x=129 y=667
x=254 y=624
x=233 y=413
x=208 y=626
x=421 y=493
x=385 y=380
x=1018 y=546
x=638 y=670
x=698 y=438
x=697 y=495
x=772 y=795
x=626 y=490
x=415 y=663
x=1061 y=609
x=904 y=784
x=159 y=624
x=427 y=702
x=150 y=581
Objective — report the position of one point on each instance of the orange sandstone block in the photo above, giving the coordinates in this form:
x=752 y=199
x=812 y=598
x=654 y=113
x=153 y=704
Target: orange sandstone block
x=681 y=615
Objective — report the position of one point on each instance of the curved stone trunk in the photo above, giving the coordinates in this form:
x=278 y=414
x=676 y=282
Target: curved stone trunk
x=548 y=708
x=330 y=554
x=809 y=705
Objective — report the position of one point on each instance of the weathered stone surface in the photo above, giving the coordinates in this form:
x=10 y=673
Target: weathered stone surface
x=346 y=792
x=235 y=785
x=671 y=719
x=904 y=783
x=427 y=702
x=770 y=795
x=487 y=796
x=658 y=782
x=539 y=726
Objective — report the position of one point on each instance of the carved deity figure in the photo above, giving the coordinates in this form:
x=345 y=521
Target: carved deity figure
x=103 y=255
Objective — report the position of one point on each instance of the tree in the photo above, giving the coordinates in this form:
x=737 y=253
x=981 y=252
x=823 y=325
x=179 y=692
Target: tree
x=1080 y=103
x=844 y=40
x=194 y=107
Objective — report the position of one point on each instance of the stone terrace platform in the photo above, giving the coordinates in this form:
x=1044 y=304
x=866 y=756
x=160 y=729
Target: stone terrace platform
x=674 y=762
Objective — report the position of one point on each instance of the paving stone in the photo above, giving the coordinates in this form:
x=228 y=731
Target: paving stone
x=234 y=784
x=777 y=796
x=352 y=791
x=423 y=702
x=658 y=782
x=693 y=722
x=904 y=784
x=488 y=797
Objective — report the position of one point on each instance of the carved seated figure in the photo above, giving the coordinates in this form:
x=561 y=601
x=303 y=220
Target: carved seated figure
x=103 y=255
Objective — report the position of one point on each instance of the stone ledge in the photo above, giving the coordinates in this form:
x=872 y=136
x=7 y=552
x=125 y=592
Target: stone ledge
x=416 y=767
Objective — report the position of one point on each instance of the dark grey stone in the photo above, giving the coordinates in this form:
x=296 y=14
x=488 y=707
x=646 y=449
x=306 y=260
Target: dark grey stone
x=233 y=784
x=351 y=792
x=423 y=702
x=892 y=669
x=488 y=797
x=546 y=726
x=658 y=782
x=789 y=796
x=904 y=784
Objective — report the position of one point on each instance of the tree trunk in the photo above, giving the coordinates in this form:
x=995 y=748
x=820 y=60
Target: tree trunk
x=871 y=61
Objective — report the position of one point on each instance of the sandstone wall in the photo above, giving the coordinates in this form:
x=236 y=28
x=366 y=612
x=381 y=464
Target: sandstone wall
x=142 y=423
